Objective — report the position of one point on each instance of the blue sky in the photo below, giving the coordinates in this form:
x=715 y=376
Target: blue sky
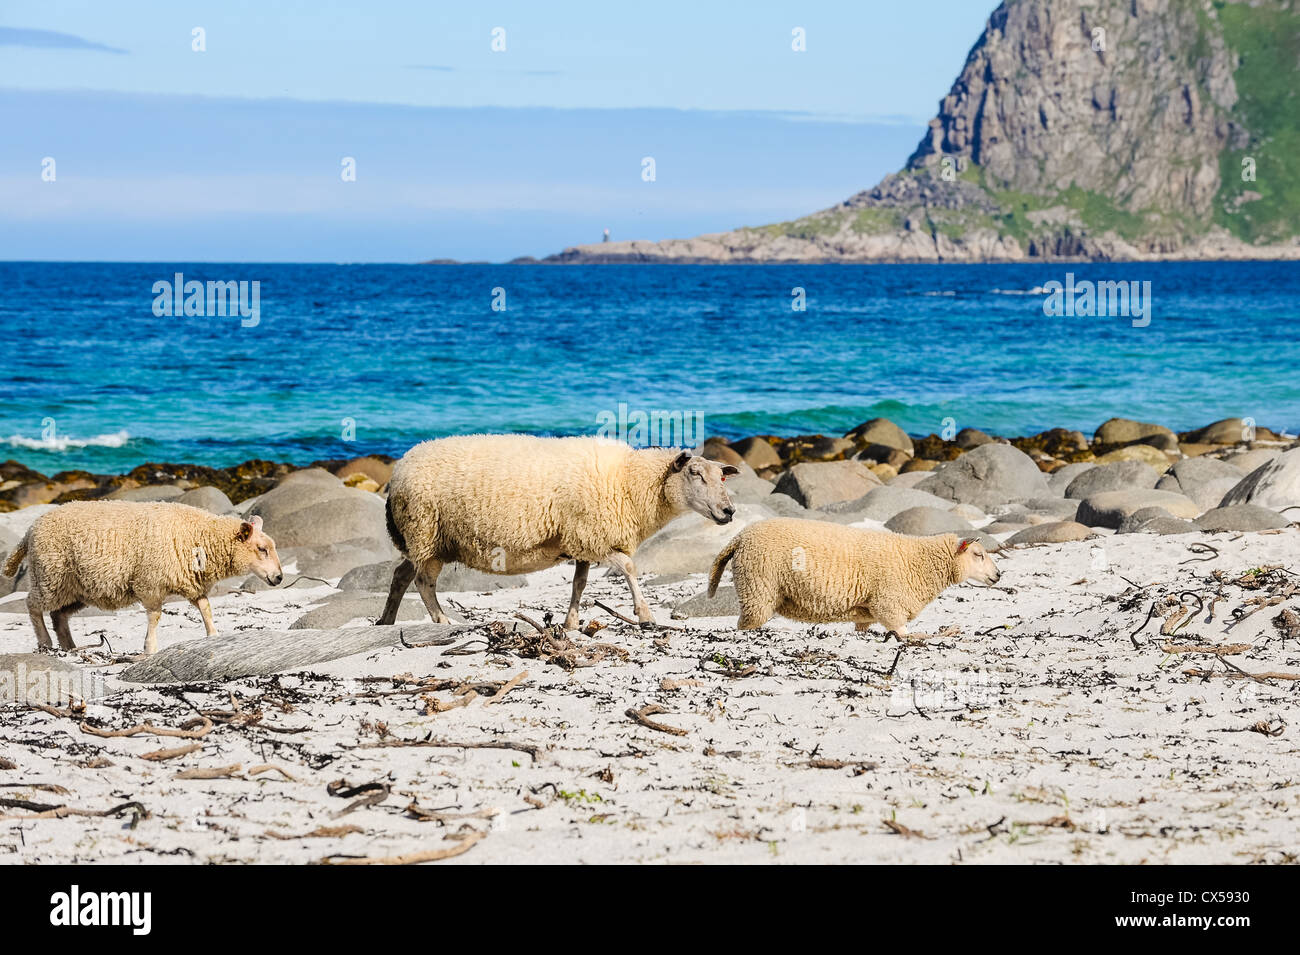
x=234 y=153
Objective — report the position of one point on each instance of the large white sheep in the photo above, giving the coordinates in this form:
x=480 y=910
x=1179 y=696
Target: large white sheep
x=110 y=554
x=513 y=504
x=818 y=572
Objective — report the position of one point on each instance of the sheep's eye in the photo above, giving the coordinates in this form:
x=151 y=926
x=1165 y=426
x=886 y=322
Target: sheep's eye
x=262 y=551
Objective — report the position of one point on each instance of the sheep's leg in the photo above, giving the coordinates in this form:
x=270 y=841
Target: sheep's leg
x=894 y=621
x=38 y=624
x=580 y=569
x=624 y=565
x=403 y=574
x=427 y=583
x=61 y=629
x=151 y=638
x=205 y=609
x=751 y=619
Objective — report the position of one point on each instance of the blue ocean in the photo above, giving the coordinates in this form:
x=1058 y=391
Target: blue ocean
x=351 y=359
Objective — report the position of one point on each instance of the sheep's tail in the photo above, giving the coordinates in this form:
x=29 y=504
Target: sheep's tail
x=16 y=558
x=715 y=575
x=394 y=534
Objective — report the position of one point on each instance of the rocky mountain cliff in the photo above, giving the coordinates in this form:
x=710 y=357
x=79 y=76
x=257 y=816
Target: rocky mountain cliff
x=1077 y=129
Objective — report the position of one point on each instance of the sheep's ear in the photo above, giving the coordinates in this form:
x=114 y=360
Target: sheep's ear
x=961 y=548
x=245 y=531
x=682 y=460
x=257 y=523
x=728 y=470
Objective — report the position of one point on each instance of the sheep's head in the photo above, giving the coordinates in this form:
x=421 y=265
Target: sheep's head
x=695 y=483
x=255 y=551
x=974 y=563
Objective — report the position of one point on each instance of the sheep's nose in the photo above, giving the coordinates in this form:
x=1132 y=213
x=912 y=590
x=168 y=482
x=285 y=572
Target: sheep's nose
x=275 y=579
x=729 y=510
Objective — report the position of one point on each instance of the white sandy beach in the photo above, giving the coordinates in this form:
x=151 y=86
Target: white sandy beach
x=1036 y=732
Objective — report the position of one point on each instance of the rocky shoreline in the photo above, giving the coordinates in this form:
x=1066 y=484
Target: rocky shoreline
x=1055 y=486
x=1122 y=693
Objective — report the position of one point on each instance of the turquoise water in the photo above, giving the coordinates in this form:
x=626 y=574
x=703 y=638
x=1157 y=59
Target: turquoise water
x=345 y=360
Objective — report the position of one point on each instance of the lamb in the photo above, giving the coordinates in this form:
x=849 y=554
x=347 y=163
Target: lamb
x=514 y=504
x=818 y=572
x=110 y=554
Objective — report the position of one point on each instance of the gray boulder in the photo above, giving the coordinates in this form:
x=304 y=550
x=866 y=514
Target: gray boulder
x=815 y=485
x=1057 y=532
x=1274 y=484
x=909 y=479
x=262 y=652
x=1040 y=510
x=757 y=453
x=1248 y=461
x=43 y=678
x=1241 y=517
x=153 y=492
x=882 y=503
x=988 y=476
x=689 y=544
x=340 y=609
x=347 y=515
x=298 y=490
x=881 y=431
x=1060 y=479
x=208 y=499
x=1112 y=477
x=1204 y=480
x=926 y=521
x=725 y=603
x=1109 y=508
x=1127 y=431
x=748 y=487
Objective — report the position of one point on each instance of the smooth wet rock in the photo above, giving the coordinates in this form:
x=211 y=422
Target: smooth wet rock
x=1241 y=517
x=881 y=431
x=1112 y=477
x=1227 y=431
x=927 y=521
x=816 y=485
x=1109 y=508
x=1057 y=532
x=988 y=476
x=1274 y=484
x=376 y=469
x=455 y=578
x=1126 y=431
x=263 y=652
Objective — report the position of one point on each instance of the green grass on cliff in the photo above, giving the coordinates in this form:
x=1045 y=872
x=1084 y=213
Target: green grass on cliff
x=1267 y=40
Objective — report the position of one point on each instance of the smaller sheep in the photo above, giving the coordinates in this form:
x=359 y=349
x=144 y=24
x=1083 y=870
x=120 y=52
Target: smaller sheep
x=818 y=572
x=110 y=554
